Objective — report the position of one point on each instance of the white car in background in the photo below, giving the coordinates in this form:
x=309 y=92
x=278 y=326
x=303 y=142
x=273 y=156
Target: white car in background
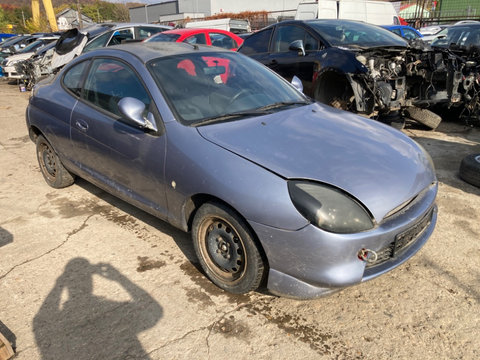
x=8 y=64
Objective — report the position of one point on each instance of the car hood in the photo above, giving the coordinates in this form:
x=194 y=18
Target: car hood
x=19 y=57
x=376 y=164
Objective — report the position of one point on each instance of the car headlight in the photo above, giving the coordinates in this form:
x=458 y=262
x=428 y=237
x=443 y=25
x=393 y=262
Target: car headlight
x=329 y=208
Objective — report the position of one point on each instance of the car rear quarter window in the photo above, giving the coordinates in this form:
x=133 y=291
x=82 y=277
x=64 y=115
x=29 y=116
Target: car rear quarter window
x=256 y=43
x=222 y=40
x=73 y=78
x=108 y=81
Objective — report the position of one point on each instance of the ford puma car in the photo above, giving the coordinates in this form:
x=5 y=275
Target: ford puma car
x=276 y=190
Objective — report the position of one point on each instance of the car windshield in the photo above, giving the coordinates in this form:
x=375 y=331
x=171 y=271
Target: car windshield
x=13 y=41
x=218 y=86
x=458 y=35
x=356 y=34
x=33 y=46
x=163 y=37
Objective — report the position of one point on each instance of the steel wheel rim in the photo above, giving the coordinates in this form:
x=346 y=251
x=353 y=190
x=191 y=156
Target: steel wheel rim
x=47 y=161
x=222 y=249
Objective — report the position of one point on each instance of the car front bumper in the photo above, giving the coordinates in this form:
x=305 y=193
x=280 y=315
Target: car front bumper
x=311 y=262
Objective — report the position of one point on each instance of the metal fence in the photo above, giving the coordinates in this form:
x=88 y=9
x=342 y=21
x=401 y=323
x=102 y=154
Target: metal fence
x=426 y=12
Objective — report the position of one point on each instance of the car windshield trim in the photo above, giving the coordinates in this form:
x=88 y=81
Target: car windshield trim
x=264 y=110
x=352 y=33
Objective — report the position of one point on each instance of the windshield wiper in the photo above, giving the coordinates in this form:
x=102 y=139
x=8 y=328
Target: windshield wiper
x=264 y=110
x=230 y=116
x=283 y=104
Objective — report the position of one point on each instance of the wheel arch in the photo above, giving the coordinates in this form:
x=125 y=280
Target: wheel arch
x=328 y=83
x=34 y=132
x=331 y=83
x=194 y=203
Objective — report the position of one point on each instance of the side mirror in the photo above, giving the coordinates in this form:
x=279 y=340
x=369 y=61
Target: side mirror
x=297 y=45
x=132 y=109
x=297 y=83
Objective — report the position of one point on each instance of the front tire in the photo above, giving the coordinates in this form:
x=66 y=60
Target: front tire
x=226 y=249
x=51 y=167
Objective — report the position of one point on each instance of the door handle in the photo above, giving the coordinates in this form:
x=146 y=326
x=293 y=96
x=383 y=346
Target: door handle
x=81 y=124
x=273 y=62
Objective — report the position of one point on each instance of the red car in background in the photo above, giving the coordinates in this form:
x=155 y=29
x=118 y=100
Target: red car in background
x=211 y=37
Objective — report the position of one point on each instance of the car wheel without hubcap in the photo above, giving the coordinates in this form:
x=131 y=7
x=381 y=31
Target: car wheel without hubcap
x=226 y=249
x=52 y=169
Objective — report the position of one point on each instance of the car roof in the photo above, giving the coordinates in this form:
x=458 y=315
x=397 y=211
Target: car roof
x=123 y=25
x=466 y=24
x=152 y=50
x=183 y=31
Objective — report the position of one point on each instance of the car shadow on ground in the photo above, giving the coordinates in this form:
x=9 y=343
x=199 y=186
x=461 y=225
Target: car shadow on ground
x=9 y=335
x=5 y=237
x=181 y=239
x=73 y=323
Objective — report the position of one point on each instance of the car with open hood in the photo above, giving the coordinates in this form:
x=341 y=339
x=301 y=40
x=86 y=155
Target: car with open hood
x=276 y=190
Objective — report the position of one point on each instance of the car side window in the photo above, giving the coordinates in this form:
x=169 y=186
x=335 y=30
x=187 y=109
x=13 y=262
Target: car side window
x=145 y=32
x=222 y=40
x=73 y=77
x=196 y=39
x=396 y=31
x=110 y=80
x=285 y=35
x=256 y=43
x=409 y=34
x=97 y=42
x=119 y=36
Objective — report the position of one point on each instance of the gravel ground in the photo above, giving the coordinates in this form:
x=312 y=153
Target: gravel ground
x=84 y=275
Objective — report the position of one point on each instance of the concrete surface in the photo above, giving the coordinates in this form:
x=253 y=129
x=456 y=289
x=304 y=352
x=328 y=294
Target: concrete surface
x=86 y=276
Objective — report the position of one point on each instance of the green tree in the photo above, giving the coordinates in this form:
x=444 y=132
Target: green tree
x=101 y=11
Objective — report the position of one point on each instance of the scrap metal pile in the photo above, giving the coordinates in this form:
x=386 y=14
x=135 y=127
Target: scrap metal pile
x=416 y=78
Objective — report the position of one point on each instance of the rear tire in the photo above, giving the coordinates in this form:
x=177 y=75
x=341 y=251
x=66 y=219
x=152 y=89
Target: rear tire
x=424 y=117
x=470 y=169
x=51 y=167
x=226 y=249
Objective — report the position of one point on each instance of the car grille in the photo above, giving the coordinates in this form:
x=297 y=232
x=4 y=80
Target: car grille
x=402 y=241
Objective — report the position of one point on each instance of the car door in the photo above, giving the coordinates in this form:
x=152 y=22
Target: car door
x=289 y=63
x=125 y=159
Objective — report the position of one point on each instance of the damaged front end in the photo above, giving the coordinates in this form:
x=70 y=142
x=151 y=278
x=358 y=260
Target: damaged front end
x=385 y=82
x=68 y=46
x=382 y=88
